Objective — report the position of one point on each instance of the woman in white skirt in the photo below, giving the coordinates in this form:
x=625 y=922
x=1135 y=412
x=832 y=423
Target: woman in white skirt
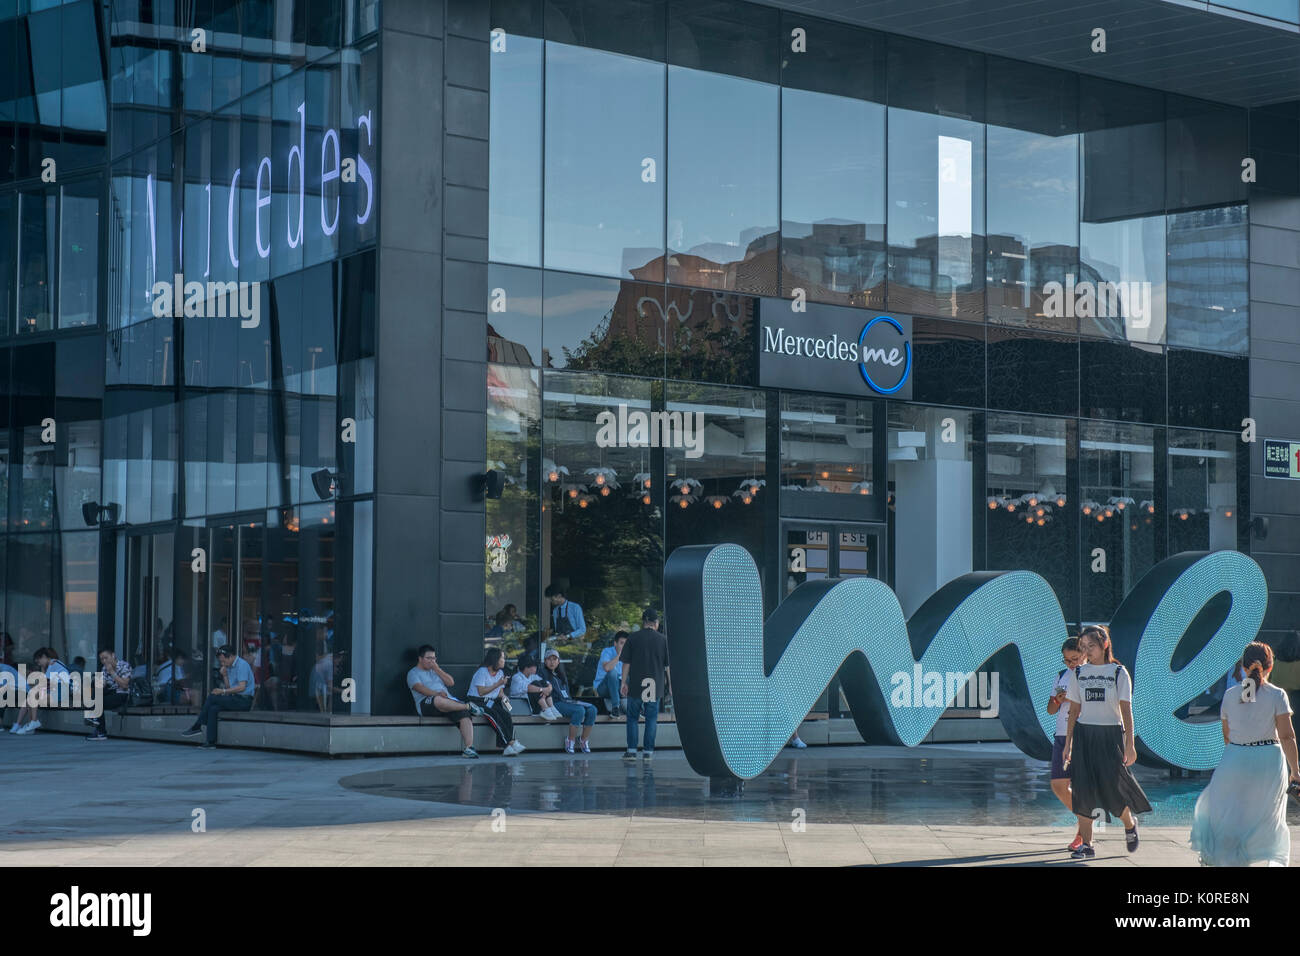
x=1099 y=742
x=1240 y=817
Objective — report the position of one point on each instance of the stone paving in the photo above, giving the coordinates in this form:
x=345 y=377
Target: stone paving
x=71 y=802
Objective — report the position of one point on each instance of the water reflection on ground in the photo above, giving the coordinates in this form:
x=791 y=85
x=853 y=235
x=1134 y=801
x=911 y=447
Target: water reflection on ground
x=912 y=787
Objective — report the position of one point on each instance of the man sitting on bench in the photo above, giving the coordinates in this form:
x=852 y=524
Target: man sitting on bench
x=237 y=694
x=429 y=683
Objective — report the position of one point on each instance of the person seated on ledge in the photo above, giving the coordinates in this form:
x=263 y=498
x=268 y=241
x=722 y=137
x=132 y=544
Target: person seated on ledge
x=580 y=713
x=609 y=675
x=486 y=690
x=237 y=694
x=57 y=688
x=115 y=686
x=429 y=685
x=527 y=686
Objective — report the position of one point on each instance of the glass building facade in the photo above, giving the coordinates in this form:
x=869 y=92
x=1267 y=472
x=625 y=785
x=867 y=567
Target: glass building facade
x=655 y=191
x=158 y=461
x=280 y=279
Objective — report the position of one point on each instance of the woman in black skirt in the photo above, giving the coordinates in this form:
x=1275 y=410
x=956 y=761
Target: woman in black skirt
x=1099 y=746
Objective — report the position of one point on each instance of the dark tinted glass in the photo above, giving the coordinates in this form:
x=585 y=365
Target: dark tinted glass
x=1206 y=143
x=1033 y=372
x=836 y=59
x=632 y=27
x=1123 y=151
x=1207 y=390
x=8 y=260
x=948 y=368
x=1122 y=382
x=725 y=36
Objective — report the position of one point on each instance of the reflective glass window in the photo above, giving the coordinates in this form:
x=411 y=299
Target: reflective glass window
x=1116 y=485
x=591 y=323
x=709 y=335
x=512 y=559
x=515 y=159
x=1033 y=191
x=710 y=478
x=36 y=261
x=833 y=165
x=8 y=260
x=936 y=180
x=1119 y=291
x=1209 y=279
x=514 y=327
x=79 y=255
x=604 y=153
x=592 y=502
x=1029 y=519
x=827 y=445
x=949 y=362
x=931 y=506
x=1202 y=491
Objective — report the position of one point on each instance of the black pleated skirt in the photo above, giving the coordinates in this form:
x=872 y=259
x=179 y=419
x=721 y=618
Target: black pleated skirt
x=1098 y=777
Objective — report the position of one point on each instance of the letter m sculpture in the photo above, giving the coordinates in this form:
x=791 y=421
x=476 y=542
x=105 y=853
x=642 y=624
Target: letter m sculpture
x=741 y=687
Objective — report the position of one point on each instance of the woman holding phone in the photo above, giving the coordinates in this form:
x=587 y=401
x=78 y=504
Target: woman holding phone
x=1099 y=742
x=485 y=689
x=1240 y=818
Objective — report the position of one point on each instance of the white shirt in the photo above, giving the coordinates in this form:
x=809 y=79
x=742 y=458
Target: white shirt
x=1062 y=715
x=1251 y=721
x=1098 y=690
x=482 y=678
x=519 y=685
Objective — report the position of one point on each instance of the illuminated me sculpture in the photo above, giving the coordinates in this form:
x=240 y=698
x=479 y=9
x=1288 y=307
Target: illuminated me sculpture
x=742 y=686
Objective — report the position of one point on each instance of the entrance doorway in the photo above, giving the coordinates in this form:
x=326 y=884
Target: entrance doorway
x=824 y=549
x=814 y=550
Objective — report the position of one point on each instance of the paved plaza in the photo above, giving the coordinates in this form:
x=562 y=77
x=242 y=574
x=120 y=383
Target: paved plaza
x=72 y=802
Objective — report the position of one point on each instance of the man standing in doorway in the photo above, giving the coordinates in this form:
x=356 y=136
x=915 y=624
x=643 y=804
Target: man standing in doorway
x=645 y=681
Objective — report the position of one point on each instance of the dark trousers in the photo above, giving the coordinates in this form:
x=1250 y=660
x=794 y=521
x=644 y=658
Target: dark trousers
x=215 y=704
x=112 y=700
x=498 y=719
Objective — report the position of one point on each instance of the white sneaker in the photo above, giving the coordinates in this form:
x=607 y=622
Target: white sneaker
x=519 y=748
x=552 y=714
x=16 y=728
x=511 y=749
x=25 y=729
x=34 y=726
x=798 y=744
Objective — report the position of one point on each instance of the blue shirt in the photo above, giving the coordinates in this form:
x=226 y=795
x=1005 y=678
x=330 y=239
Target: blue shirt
x=240 y=671
x=573 y=614
x=607 y=655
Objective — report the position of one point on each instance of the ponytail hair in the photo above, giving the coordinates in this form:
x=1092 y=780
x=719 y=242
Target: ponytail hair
x=1256 y=661
x=1101 y=633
